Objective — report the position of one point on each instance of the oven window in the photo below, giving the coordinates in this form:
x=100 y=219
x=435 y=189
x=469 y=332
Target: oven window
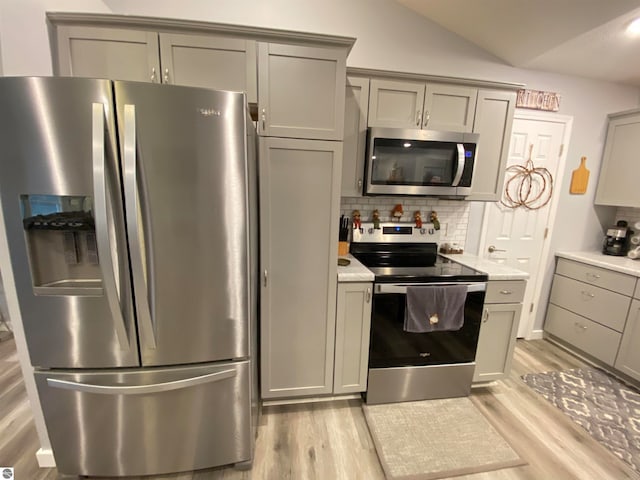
x=391 y=346
x=409 y=162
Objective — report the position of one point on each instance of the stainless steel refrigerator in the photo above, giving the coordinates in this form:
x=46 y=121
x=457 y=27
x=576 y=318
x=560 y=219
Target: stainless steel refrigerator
x=131 y=216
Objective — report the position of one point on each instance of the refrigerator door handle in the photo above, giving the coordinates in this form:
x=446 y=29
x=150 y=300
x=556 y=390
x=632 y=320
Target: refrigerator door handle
x=134 y=213
x=103 y=239
x=142 y=389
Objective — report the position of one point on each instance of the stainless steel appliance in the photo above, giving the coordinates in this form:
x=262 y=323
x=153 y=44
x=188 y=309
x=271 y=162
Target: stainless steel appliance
x=404 y=365
x=616 y=241
x=130 y=211
x=419 y=162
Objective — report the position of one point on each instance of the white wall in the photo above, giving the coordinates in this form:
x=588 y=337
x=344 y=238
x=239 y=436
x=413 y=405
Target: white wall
x=389 y=37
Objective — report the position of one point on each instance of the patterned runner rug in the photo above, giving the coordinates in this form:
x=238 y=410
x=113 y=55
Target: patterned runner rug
x=608 y=409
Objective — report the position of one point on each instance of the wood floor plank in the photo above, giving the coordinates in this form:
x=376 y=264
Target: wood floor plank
x=331 y=440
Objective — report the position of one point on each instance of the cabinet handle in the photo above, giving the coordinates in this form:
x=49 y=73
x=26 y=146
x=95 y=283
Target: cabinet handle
x=427 y=116
x=595 y=276
x=264 y=118
x=588 y=294
x=418 y=118
x=368 y=297
x=359 y=183
x=166 y=75
x=506 y=292
x=153 y=75
x=583 y=327
x=265 y=275
x=485 y=316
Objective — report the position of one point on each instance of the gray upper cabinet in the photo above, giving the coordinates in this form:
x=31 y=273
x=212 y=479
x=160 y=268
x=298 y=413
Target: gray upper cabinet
x=616 y=186
x=355 y=133
x=493 y=122
x=299 y=203
x=301 y=91
x=209 y=61
x=434 y=106
x=114 y=53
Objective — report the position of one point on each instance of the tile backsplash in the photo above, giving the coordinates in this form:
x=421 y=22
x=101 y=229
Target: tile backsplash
x=453 y=214
x=631 y=215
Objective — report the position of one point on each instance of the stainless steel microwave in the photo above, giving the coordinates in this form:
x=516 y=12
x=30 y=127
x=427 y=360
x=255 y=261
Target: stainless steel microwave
x=419 y=162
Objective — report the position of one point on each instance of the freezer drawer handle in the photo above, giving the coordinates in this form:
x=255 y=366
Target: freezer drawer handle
x=102 y=225
x=142 y=389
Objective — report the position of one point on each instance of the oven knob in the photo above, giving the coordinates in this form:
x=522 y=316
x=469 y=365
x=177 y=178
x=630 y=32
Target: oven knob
x=431 y=231
x=370 y=231
x=422 y=231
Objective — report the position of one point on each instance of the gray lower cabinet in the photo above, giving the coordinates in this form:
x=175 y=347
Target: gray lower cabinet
x=499 y=329
x=353 y=325
x=628 y=359
x=356 y=105
x=299 y=205
x=301 y=91
x=589 y=312
x=101 y=52
x=493 y=122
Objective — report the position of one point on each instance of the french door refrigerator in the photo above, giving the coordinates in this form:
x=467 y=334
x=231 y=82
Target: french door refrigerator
x=130 y=212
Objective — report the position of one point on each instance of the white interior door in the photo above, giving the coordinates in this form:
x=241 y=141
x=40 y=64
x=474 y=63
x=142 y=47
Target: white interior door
x=517 y=236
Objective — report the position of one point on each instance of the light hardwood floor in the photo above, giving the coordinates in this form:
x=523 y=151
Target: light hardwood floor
x=331 y=440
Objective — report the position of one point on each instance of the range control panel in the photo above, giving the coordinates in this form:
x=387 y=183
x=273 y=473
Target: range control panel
x=395 y=233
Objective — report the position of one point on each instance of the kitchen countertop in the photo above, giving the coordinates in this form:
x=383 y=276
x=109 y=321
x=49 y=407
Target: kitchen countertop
x=495 y=270
x=354 y=272
x=598 y=259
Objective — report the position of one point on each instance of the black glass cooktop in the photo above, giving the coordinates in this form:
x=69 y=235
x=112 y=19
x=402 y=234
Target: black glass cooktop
x=444 y=270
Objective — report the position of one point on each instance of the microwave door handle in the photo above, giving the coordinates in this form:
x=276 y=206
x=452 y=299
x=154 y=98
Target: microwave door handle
x=461 y=162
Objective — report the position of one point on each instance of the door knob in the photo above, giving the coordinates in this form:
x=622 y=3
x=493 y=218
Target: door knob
x=492 y=249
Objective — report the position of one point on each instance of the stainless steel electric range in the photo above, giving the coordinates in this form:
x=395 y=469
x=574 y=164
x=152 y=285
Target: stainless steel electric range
x=404 y=365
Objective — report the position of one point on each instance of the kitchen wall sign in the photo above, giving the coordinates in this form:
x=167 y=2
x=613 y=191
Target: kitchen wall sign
x=538 y=100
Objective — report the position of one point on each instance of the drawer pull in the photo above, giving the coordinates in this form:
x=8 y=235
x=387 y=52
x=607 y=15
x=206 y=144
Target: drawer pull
x=588 y=294
x=583 y=327
x=595 y=276
x=506 y=292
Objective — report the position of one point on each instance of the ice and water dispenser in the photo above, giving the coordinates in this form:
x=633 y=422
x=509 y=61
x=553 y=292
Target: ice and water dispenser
x=61 y=242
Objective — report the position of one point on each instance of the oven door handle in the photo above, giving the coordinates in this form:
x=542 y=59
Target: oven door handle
x=402 y=287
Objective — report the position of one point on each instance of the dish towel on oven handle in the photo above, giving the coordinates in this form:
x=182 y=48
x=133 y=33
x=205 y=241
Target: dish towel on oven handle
x=435 y=308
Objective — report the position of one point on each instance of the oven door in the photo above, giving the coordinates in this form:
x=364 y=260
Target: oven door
x=391 y=346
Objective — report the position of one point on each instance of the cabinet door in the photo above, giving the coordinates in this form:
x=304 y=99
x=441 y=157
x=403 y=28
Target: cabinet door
x=353 y=325
x=355 y=135
x=449 y=108
x=618 y=185
x=395 y=104
x=497 y=341
x=301 y=91
x=299 y=210
x=493 y=121
x=209 y=61
x=113 y=53
x=628 y=359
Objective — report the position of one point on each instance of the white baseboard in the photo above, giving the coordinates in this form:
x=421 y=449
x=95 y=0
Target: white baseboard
x=45 y=458
x=536 y=335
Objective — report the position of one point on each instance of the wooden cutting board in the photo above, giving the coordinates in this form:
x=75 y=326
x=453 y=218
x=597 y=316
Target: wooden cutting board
x=580 y=178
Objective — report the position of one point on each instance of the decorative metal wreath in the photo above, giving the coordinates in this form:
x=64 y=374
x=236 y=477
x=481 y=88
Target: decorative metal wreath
x=529 y=186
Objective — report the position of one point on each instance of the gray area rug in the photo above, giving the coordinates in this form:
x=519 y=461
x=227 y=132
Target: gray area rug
x=436 y=439
x=608 y=409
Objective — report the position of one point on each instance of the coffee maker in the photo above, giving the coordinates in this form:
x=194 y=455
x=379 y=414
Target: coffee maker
x=616 y=241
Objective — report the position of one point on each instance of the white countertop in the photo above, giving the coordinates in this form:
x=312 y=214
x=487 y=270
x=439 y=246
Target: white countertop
x=598 y=259
x=495 y=270
x=354 y=272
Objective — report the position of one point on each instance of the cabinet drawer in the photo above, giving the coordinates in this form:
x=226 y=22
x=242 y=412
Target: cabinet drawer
x=618 y=282
x=607 y=308
x=592 y=338
x=505 y=291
